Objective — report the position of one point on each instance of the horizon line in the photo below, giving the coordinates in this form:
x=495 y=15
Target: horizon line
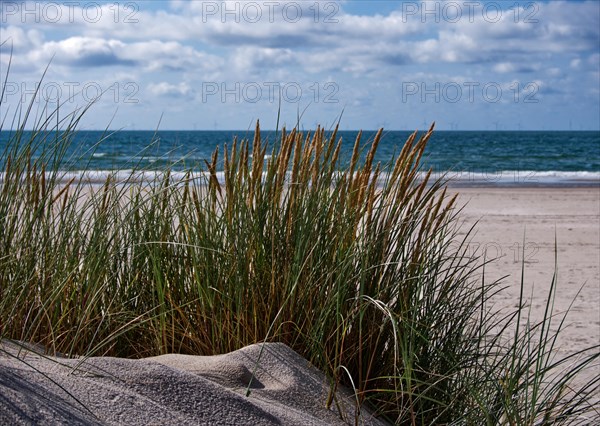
x=312 y=129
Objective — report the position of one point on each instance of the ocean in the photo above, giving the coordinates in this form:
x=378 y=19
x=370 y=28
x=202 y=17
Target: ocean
x=535 y=158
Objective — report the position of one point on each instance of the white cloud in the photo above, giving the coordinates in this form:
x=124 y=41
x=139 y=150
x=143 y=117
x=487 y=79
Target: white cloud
x=504 y=67
x=167 y=89
x=88 y=52
x=173 y=50
x=554 y=72
x=249 y=58
x=518 y=67
x=158 y=55
x=230 y=25
x=81 y=51
x=15 y=37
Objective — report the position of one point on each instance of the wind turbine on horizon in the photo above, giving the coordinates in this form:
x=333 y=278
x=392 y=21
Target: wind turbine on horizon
x=384 y=124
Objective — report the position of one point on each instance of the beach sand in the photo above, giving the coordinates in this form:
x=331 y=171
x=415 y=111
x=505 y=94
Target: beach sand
x=180 y=389
x=170 y=390
x=513 y=219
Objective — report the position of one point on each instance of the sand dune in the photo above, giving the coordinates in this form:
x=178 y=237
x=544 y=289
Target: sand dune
x=168 y=390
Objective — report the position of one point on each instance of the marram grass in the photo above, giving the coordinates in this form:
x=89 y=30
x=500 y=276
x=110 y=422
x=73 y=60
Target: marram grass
x=355 y=267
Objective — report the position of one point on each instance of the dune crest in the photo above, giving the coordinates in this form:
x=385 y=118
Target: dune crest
x=169 y=389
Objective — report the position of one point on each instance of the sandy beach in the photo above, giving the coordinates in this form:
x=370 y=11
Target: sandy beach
x=509 y=217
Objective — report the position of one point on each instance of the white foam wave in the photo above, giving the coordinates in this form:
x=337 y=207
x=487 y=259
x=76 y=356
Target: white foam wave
x=504 y=177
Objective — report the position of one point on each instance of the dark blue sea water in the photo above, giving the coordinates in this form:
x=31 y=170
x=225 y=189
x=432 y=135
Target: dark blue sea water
x=506 y=157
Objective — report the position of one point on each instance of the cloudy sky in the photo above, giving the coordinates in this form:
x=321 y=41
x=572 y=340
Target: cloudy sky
x=223 y=64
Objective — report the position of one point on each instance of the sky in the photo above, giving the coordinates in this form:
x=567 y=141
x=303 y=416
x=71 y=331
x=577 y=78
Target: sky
x=219 y=65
